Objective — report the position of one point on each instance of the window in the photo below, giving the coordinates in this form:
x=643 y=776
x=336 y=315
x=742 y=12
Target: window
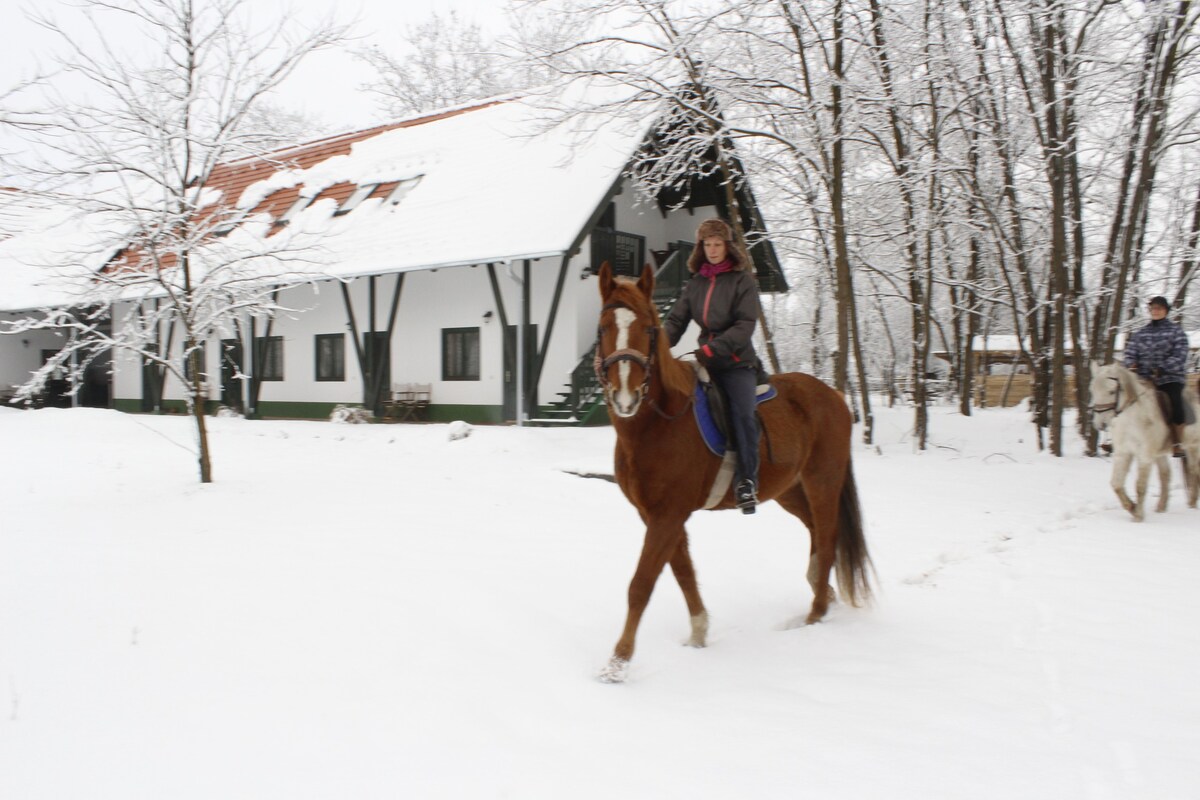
x=404 y=187
x=331 y=356
x=460 y=354
x=295 y=208
x=226 y=222
x=268 y=361
x=360 y=194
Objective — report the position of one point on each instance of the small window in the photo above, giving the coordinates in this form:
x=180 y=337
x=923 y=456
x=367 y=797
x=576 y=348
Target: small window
x=229 y=221
x=268 y=362
x=295 y=208
x=331 y=356
x=403 y=188
x=360 y=194
x=460 y=354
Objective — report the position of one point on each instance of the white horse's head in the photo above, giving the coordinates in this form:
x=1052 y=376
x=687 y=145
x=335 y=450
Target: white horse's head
x=1107 y=391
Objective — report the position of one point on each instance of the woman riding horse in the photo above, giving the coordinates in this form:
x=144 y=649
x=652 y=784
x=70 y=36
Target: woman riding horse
x=666 y=471
x=722 y=298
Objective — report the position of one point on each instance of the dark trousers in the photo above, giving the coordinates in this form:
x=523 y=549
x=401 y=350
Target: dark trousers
x=1175 y=392
x=739 y=385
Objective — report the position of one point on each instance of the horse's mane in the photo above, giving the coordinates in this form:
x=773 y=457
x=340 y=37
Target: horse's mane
x=1128 y=379
x=676 y=376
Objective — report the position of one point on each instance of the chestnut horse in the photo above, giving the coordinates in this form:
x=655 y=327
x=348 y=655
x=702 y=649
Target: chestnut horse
x=666 y=471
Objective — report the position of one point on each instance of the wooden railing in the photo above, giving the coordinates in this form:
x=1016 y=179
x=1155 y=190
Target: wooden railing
x=624 y=252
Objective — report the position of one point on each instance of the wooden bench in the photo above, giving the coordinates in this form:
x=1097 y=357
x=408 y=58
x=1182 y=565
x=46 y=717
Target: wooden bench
x=408 y=402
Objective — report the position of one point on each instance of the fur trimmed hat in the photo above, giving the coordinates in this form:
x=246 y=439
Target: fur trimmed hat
x=720 y=229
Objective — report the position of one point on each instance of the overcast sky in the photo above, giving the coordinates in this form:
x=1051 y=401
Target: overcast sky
x=326 y=86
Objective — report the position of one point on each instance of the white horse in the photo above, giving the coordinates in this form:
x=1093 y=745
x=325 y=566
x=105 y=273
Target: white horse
x=1128 y=408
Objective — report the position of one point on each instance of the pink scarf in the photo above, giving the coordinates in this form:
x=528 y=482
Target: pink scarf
x=711 y=270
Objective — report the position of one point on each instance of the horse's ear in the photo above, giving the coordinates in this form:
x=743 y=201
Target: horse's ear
x=606 y=280
x=646 y=282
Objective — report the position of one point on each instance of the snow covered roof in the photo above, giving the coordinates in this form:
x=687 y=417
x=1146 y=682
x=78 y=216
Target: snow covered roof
x=480 y=184
x=35 y=237
x=483 y=183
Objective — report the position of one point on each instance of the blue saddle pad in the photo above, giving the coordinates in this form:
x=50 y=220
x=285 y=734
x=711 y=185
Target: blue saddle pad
x=712 y=433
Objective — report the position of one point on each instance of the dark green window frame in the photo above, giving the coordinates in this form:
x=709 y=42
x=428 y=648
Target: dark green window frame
x=270 y=368
x=460 y=354
x=330 y=352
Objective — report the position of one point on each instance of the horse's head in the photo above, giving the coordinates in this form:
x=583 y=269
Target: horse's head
x=1106 y=390
x=627 y=342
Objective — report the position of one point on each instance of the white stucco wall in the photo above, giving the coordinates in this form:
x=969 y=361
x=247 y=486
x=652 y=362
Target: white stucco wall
x=430 y=302
x=21 y=353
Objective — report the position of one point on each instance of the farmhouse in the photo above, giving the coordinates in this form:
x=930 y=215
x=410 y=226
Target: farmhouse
x=459 y=251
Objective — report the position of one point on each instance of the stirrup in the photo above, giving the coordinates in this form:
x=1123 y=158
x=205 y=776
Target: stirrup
x=746 y=495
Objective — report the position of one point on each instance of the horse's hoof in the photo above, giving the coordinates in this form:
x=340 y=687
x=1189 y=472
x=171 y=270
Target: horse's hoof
x=699 y=637
x=615 y=671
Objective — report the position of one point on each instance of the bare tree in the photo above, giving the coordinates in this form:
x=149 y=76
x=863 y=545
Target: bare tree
x=444 y=61
x=129 y=147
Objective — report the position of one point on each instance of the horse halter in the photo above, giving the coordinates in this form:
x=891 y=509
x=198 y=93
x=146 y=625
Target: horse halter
x=1115 y=405
x=645 y=361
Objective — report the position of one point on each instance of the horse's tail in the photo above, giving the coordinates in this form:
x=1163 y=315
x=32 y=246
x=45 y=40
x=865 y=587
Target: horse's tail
x=853 y=562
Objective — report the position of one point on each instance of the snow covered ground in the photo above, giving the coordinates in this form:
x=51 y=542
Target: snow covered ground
x=381 y=612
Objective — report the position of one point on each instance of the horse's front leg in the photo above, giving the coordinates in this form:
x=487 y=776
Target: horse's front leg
x=685 y=576
x=1191 y=476
x=1142 y=487
x=1164 y=483
x=1120 y=470
x=662 y=539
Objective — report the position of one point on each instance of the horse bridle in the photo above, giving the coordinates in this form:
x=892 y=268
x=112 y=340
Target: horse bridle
x=645 y=361
x=1115 y=405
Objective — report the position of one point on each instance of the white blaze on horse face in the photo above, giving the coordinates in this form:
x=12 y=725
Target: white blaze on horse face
x=624 y=399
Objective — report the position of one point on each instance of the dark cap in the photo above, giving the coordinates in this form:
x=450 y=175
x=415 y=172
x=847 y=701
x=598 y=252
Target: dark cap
x=1160 y=301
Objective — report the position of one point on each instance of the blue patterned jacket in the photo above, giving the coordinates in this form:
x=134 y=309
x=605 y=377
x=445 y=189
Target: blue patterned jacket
x=1160 y=351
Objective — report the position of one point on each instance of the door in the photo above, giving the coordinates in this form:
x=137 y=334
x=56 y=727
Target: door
x=231 y=367
x=377 y=383
x=151 y=383
x=510 y=369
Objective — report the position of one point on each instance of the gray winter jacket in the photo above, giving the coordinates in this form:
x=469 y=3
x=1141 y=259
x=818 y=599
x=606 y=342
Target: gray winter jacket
x=726 y=309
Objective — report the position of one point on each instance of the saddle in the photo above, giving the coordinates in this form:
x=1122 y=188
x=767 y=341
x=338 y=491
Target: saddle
x=1164 y=405
x=712 y=410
